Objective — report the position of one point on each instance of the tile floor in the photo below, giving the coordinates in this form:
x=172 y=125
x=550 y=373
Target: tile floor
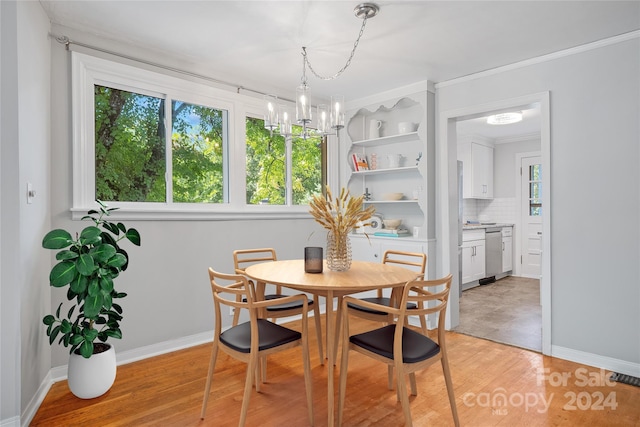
x=507 y=311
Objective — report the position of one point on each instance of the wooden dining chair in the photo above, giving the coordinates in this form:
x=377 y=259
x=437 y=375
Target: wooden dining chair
x=243 y=258
x=250 y=341
x=413 y=260
x=400 y=346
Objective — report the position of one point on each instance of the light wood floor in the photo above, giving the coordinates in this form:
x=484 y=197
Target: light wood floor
x=495 y=385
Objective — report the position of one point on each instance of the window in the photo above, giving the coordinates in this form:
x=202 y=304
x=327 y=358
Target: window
x=268 y=170
x=535 y=190
x=156 y=146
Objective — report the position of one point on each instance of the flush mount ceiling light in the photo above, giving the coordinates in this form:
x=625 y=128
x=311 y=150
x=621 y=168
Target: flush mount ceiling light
x=505 y=118
x=329 y=117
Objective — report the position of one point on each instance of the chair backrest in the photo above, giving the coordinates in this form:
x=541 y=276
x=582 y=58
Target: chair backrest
x=243 y=258
x=232 y=290
x=430 y=296
x=415 y=260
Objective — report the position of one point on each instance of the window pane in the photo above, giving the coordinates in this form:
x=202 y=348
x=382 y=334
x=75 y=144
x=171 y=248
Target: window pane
x=197 y=149
x=265 y=165
x=130 y=146
x=535 y=190
x=307 y=169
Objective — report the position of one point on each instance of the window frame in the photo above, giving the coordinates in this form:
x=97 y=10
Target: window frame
x=90 y=70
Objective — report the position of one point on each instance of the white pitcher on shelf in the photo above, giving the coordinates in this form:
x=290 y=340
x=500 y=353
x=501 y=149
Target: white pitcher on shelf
x=394 y=160
x=374 y=128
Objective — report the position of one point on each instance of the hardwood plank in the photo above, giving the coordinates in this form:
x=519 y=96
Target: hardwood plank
x=167 y=390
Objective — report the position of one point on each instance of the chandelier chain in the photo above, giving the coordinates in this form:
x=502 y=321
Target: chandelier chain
x=353 y=52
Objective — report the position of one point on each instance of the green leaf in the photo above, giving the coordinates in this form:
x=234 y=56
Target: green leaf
x=111 y=227
x=90 y=235
x=57 y=239
x=62 y=273
x=107 y=301
x=94 y=287
x=106 y=284
x=114 y=333
x=66 y=254
x=92 y=305
x=118 y=260
x=78 y=286
x=102 y=252
x=58 y=310
x=85 y=265
x=133 y=236
x=65 y=326
x=48 y=320
x=122 y=227
x=54 y=333
x=86 y=349
x=76 y=339
x=70 y=313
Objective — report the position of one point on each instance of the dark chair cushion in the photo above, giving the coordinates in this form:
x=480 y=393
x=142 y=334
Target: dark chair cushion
x=269 y=335
x=415 y=347
x=382 y=301
x=285 y=306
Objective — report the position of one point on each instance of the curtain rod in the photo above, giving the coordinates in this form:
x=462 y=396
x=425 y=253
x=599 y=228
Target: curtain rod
x=67 y=42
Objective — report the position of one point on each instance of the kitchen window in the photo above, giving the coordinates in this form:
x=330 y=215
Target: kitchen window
x=157 y=146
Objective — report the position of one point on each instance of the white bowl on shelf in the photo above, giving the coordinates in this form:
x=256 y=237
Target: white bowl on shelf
x=392 y=223
x=392 y=196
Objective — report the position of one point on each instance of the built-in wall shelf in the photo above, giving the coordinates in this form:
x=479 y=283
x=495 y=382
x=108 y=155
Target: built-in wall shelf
x=387 y=170
x=386 y=140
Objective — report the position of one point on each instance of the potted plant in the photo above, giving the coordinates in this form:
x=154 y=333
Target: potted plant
x=88 y=265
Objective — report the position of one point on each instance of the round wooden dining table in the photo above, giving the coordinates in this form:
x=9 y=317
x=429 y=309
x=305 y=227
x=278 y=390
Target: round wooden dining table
x=362 y=276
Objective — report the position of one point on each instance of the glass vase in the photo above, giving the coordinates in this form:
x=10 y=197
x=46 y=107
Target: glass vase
x=338 y=252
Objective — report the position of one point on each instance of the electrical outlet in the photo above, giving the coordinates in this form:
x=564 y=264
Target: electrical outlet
x=231 y=311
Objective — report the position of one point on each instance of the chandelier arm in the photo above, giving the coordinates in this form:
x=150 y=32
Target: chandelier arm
x=353 y=52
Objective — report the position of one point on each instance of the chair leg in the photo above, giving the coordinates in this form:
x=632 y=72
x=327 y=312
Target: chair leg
x=449 y=383
x=412 y=381
x=252 y=366
x=207 y=387
x=404 y=397
x=308 y=380
x=390 y=377
x=316 y=317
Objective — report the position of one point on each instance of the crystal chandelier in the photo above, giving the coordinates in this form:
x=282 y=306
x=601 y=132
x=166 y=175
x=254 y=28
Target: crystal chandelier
x=277 y=116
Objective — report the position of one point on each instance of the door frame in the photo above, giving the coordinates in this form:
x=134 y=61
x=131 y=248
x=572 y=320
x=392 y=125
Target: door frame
x=446 y=221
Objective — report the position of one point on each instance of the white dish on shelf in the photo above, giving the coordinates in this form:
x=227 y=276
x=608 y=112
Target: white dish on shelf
x=391 y=223
x=392 y=196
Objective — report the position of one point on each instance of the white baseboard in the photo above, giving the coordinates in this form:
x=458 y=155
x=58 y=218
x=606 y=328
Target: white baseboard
x=596 y=360
x=10 y=422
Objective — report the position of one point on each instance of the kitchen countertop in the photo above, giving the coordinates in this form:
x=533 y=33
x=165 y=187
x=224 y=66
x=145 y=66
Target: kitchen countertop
x=480 y=226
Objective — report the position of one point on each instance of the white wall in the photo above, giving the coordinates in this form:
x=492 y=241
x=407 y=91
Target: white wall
x=25 y=116
x=505 y=176
x=9 y=214
x=595 y=191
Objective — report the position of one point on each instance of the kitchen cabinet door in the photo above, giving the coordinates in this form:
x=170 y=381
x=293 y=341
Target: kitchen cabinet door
x=507 y=253
x=473 y=260
x=477 y=177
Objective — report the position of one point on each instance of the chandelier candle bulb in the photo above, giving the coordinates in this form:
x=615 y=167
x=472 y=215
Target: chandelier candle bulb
x=337 y=112
x=323 y=118
x=271 y=112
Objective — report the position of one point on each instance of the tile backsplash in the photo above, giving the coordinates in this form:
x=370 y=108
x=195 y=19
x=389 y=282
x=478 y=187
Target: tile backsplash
x=503 y=210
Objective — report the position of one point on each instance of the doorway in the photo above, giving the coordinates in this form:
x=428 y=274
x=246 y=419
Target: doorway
x=449 y=227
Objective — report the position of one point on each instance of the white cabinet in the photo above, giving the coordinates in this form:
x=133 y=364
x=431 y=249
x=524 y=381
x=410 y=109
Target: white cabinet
x=473 y=255
x=477 y=172
x=372 y=250
x=507 y=249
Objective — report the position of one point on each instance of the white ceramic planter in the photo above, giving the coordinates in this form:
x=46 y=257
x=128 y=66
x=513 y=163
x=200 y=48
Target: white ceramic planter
x=92 y=377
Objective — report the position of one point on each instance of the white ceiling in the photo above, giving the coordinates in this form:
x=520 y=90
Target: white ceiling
x=257 y=44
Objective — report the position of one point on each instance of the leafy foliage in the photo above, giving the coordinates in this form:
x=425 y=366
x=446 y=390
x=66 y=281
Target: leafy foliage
x=131 y=153
x=88 y=264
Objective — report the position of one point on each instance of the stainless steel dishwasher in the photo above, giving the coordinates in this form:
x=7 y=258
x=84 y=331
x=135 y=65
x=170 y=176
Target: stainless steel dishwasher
x=493 y=254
